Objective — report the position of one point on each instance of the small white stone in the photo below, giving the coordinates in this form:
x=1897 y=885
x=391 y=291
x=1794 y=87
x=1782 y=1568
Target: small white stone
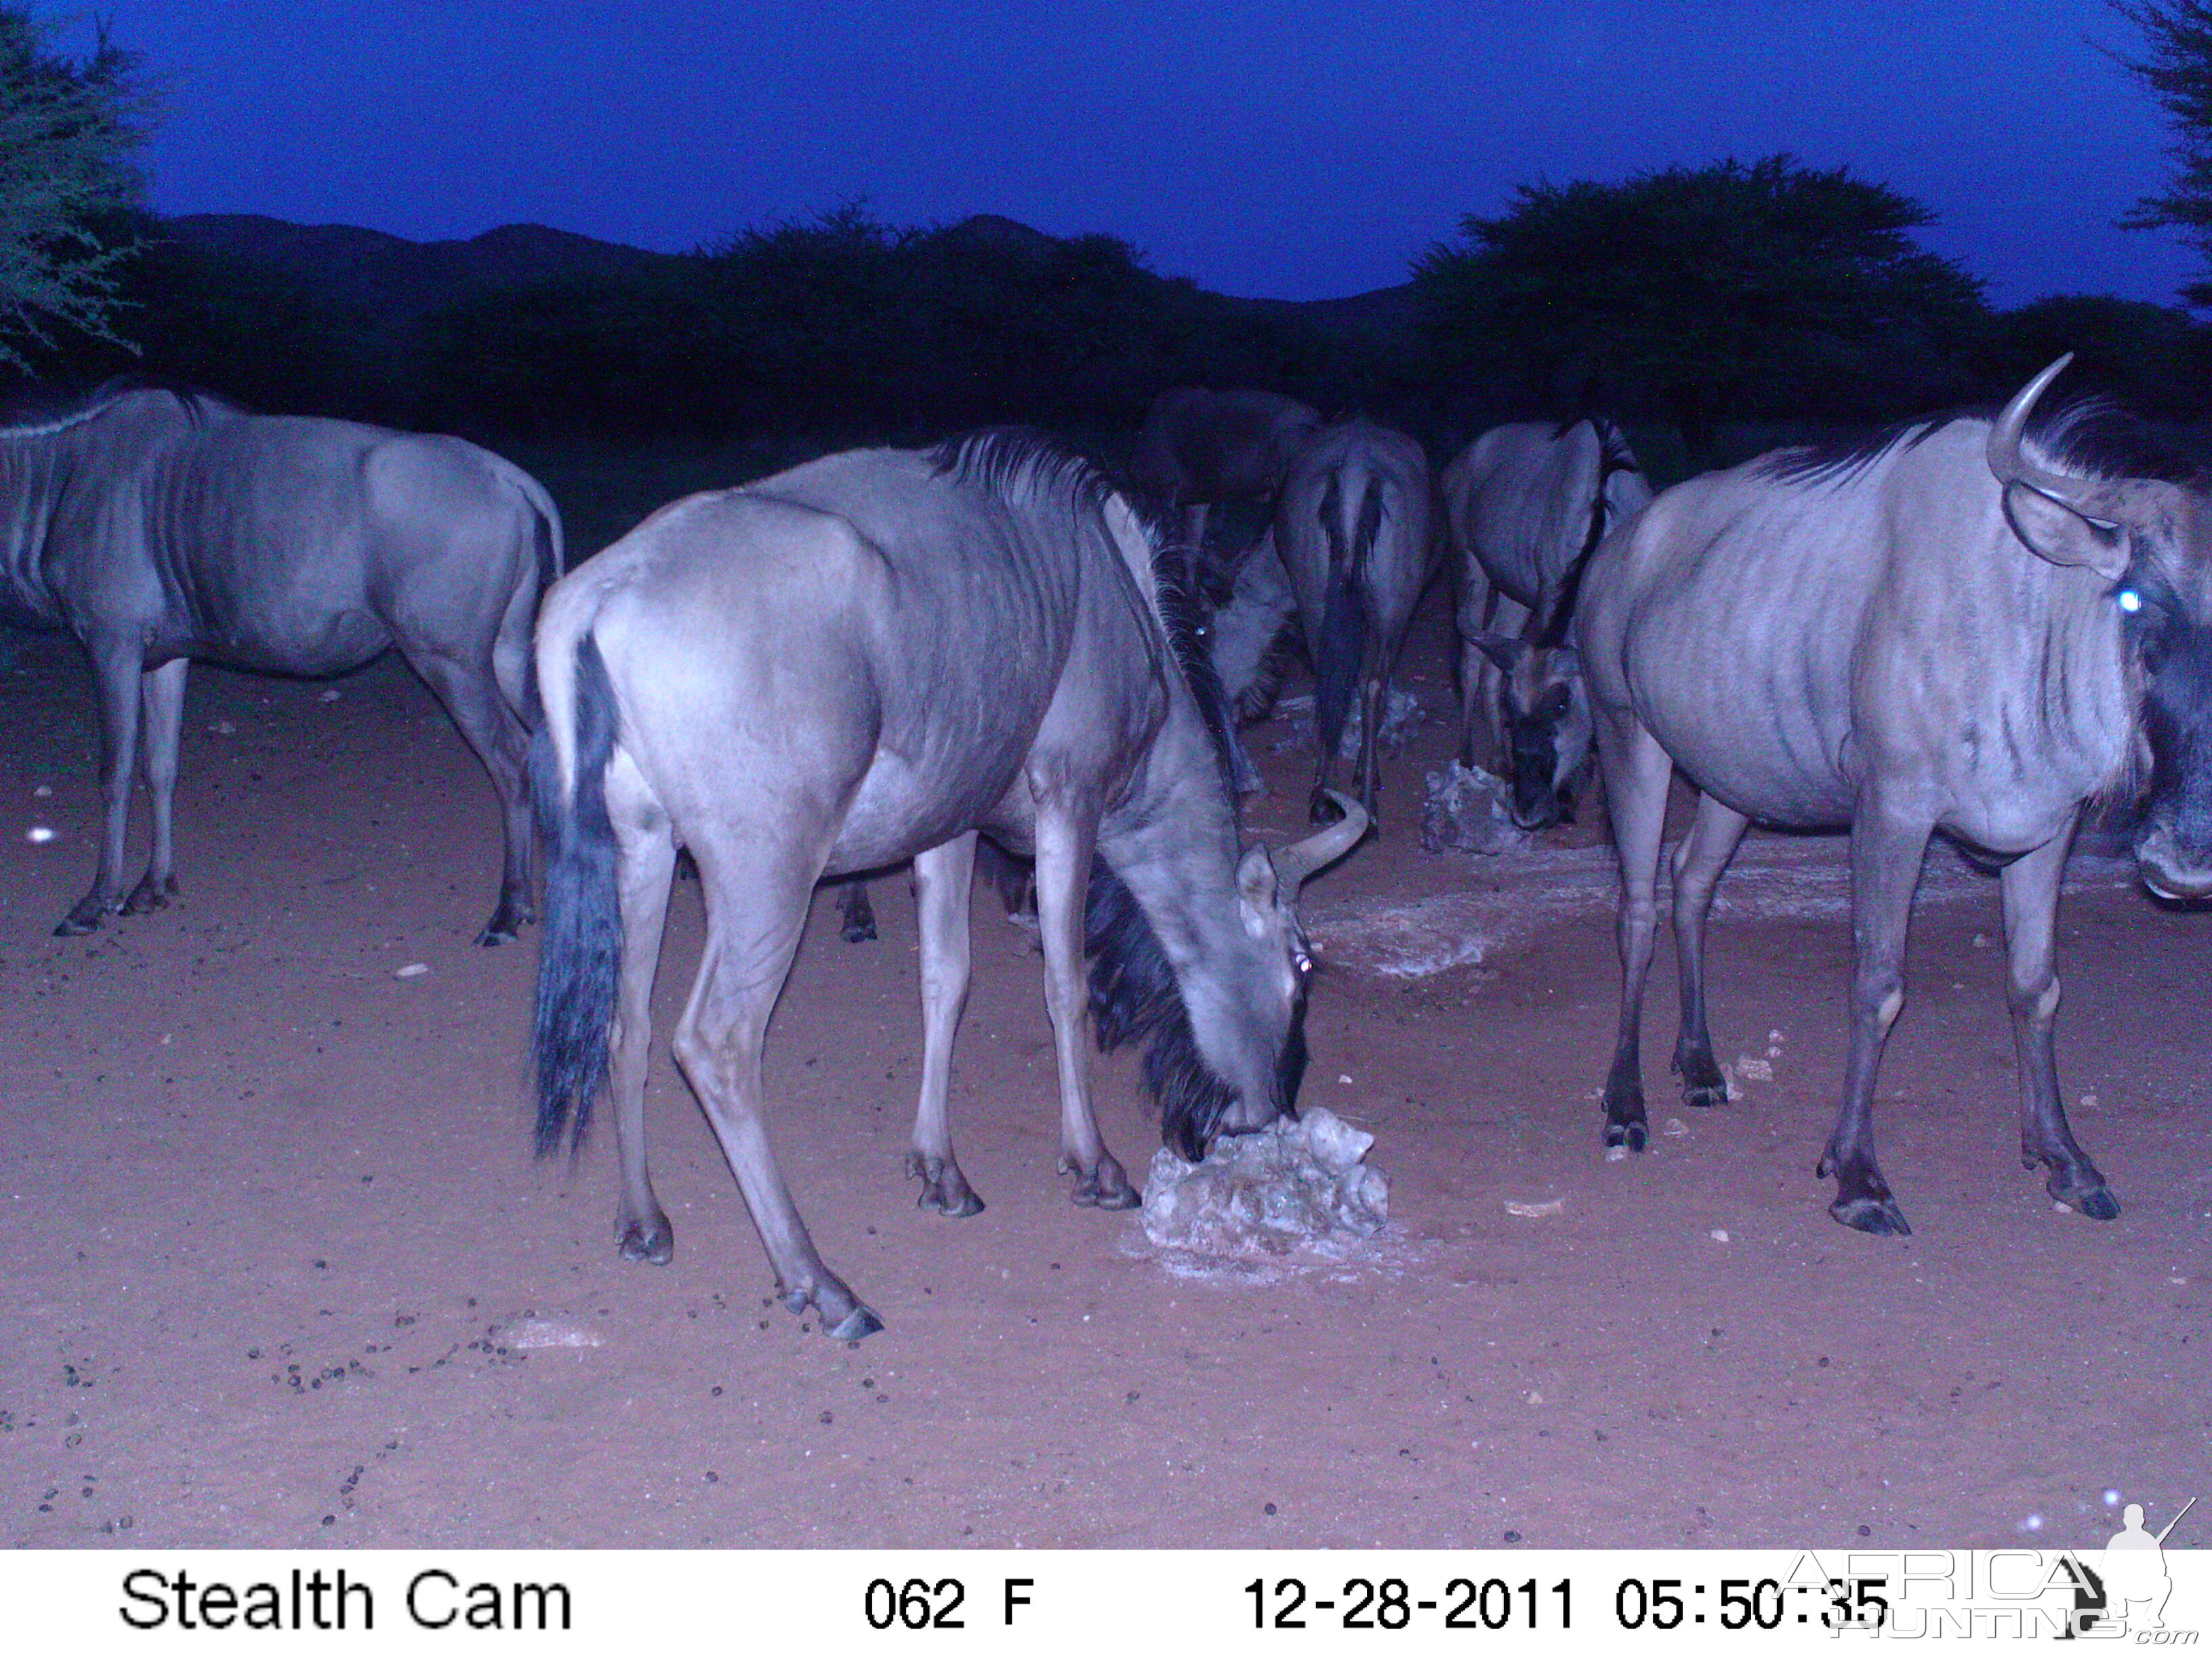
x=2089 y=1102
x=223 y=729
x=1341 y=1077
x=2062 y=1207
x=1534 y=1208
x=1719 y=1235
x=1616 y=1154
x=1981 y=941
x=38 y=834
x=43 y=791
x=1757 y=1071
x=1534 y=1398
x=2112 y=1497
x=331 y=696
x=1674 y=1126
x=412 y=970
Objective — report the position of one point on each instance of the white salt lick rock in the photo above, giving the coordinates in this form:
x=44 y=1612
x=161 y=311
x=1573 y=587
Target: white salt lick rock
x=1298 y=1182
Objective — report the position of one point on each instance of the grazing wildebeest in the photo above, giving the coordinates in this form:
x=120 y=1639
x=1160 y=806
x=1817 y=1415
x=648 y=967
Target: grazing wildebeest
x=1244 y=642
x=1524 y=507
x=868 y=659
x=1965 y=626
x=1352 y=524
x=1200 y=449
x=159 y=526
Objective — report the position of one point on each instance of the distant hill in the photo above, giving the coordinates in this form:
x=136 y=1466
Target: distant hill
x=397 y=279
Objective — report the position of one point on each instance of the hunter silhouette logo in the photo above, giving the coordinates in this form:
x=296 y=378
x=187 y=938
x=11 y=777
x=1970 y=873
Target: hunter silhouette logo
x=2137 y=1582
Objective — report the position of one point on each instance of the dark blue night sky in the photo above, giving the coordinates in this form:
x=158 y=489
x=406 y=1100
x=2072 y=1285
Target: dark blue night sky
x=1283 y=149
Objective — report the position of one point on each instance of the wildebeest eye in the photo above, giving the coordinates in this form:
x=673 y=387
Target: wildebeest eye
x=2129 y=600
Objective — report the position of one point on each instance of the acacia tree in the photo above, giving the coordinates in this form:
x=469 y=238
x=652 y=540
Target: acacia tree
x=1695 y=291
x=69 y=131
x=2177 y=67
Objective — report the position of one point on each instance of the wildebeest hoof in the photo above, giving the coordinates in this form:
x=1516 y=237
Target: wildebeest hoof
x=150 y=895
x=944 y=1187
x=1878 y=1215
x=652 y=1240
x=76 y=923
x=1632 y=1134
x=506 y=923
x=1105 y=1187
x=1703 y=1085
x=861 y=930
x=857 y=1323
x=2096 y=1202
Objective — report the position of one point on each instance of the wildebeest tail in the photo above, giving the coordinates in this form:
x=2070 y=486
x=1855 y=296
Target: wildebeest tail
x=580 y=954
x=1343 y=626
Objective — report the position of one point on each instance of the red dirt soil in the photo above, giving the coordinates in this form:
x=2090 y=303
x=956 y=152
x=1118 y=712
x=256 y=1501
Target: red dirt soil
x=275 y=1237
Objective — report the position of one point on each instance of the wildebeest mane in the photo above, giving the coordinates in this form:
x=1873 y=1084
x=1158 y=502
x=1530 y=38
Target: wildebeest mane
x=2089 y=437
x=1015 y=463
x=44 y=410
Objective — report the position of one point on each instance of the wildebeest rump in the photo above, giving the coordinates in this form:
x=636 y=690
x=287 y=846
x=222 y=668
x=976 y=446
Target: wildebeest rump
x=869 y=659
x=1199 y=449
x=1352 y=526
x=1524 y=507
x=1958 y=627
x=159 y=526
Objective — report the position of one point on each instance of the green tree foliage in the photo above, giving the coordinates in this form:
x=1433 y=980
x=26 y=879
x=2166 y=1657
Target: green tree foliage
x=68 y=132
x=2176 y=65
x=1704 y=294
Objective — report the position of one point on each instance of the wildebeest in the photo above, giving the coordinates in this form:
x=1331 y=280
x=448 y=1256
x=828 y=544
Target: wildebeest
x=1964 y=626
x=1199 y=449
x=1524 y=507
x=868 y=659
x=1244 y=642
x=159 y=526
x=1352 y=524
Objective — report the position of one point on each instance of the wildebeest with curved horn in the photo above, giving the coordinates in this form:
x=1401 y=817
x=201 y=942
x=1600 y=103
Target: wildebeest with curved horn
x=1200 y=449
x=1524 y=507
x=1966 y=626
x=868 y=659
x=1352 y=524
x=160 y=526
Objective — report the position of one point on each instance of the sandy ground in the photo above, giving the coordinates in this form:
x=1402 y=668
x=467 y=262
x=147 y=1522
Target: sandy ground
x=281 y=1271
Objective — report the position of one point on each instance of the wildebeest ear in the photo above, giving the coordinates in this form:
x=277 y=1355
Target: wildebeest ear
x=1501 y=648
x=2055 y=531
x=1255 y=878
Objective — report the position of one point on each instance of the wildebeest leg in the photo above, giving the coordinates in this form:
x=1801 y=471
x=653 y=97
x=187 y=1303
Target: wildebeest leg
x=116 y=676
x=1699 y=857
x=472 y=697
x=1886 y=857
x=162 y=718
x=856 y=917
x=647 y=867
x=1374 y=705
x=1065 y=841
x=758 y=892
x=2030 y=885
x=943 y=878
x=1636 y=770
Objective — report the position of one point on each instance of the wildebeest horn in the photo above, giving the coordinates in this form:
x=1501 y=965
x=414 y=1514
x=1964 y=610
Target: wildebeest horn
x=2012 y=466
x=1303 y=859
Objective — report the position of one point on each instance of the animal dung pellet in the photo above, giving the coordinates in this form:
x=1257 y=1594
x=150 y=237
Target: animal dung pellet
x=1533 y=1207
x=1719 y=1235
x=1468 y=810
x=1300 y=1182
x=412 y=970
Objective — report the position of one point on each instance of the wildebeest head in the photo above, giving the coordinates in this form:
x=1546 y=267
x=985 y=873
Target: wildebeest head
x=1547 y=724
x=1226 y=1029
x=2152 y=539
